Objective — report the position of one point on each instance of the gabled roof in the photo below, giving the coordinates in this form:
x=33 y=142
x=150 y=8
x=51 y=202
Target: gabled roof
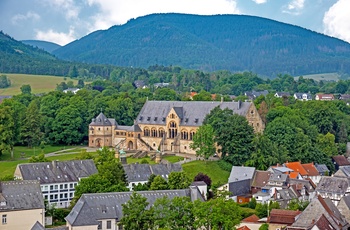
x=310 y=169
x=102 y=120
x=57 y=171
x=97 y=206
x=260 y=178
x=251 y=219
x=21 y=195
x=341 y=160
x=293 y=175
x=193 y=112
x=134 y=128
x=142 y=172
x=329 y=184
x=344 y=171
x=275 y=177
x=318 y=207
x=297 y=167
x=307 y=183
x=281 y=94
x=243 y=228
x=323 y=223
x=280 y=216
x=239 y=173
x=321 y=168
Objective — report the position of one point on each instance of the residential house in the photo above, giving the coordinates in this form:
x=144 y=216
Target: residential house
x=322 y=169
x=297 y=168
x=165 y=125
x=240 y=191
x=333 y=188
x=345 y=97
x=252 y=95
x=239 y=173
x=324 y=97
x=344 y=171
x=140 y=173
x=305 y=188
x=344 y=207
x=280 y=219
x=260 y=180
x=284 y=195
x=72 y=90
x=312 y=172
x=253 y=222
x=161 y=85
x=339 y=161
x=104 y=210
x=57 y=178
x=282 y=94
x=21 y=204
x=303 y=96
x=140 y=84
x=275 y=182
x=317 y=208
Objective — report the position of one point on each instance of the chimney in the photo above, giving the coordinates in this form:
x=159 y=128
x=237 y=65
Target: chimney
x=239 y=104
x=222 y=99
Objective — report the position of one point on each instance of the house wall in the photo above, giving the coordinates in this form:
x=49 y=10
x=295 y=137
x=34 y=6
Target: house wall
x=59 y=194
x=24 y=219
x=90 y=227
x=100 y=136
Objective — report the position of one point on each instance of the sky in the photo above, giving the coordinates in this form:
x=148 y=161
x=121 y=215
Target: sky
x=63 y=21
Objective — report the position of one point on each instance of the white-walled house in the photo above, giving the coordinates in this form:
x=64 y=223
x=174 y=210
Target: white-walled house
x=21 y=205
x=57 y=178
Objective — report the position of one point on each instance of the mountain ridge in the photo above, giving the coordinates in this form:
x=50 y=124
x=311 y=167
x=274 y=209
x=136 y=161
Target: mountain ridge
x=209 y=43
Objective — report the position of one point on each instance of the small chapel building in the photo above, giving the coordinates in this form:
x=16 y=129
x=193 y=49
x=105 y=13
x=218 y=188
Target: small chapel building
x=165 y=125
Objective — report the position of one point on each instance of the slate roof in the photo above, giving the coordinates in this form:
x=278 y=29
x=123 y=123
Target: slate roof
x=239 y=173
x=343 y=171
x=260 y=178
x=299 y=96
x=254 y=94
x=329 y=184
x=57 y=171
x=341 y=160
x=38 y=226
x=102 y=120
x=304 y=183
x=280 y=169
x=281 y=94
x=141 y=172
x=297 y=167
x=193 y=112
x=280 y=216
x=21 y=195
x=310 y=169
x=97 y=206
x=322 y=168
x=318 y=207
x=239 y=188
x=281 y=178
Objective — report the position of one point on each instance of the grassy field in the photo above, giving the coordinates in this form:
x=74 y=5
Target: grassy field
x=322 y=76
x=38 y=83
x=171 y=159
x=211 y=168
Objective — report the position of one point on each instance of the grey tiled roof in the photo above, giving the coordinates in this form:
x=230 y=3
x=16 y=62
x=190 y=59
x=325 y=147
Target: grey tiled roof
x=57 y=171
x=37 y=226
x=321 y=168
x=192 y=112
x=344 y=171
x=276 y=177
x=329 y=184
x=241 y=173
x=141 y=172
x=93 y=207
x=102 y=120
x=21 y=195
x=300 y=95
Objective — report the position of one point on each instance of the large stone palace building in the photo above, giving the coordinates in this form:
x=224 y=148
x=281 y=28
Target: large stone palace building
x=164 y=125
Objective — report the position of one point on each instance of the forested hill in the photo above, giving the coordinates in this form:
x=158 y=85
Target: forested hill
x=231 y=42
x=47 y=46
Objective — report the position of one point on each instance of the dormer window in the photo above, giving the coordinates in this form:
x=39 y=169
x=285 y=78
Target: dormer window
x=163 y=119
x=196 y=120
x=3 y=203
x=172 y=116
x=155 y=119
x=148 y=118
x=140 y=118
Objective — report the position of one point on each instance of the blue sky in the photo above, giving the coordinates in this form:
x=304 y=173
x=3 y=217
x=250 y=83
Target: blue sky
x=63 y=21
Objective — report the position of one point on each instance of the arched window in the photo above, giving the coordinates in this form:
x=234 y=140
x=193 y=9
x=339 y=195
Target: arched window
x=154 y=132
x=161 y=132
x=146 y=132
x=184 y=135
x=172 y=130
x=191 y=135
x=172 y=116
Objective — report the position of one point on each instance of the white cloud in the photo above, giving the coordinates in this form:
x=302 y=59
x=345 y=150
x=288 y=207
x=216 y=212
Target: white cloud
x=56 y=37
x=294 y=7
x=336 y=20
x=260 y=1
x=114 y=12
x=30 y=15
x=67 y=7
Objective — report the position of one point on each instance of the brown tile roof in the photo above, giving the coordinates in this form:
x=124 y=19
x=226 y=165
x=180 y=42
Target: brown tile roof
x=243 y=228
x=311 y=169
x=323 y=223
x=341 y=160
x=297 y=167
x=281 y=216
x=251 y=219
x=260 y=178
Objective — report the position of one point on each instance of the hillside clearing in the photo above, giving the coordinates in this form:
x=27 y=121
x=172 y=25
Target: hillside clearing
x=38 y=83
x=322 y=77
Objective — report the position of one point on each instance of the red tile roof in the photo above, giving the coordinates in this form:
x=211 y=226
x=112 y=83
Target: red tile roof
x=341 y=160
x=297 y=167
x=311 y=169
x=281 y=216
x=293 y=175
x=261 y=178
x=243 y=228
x=251 y=219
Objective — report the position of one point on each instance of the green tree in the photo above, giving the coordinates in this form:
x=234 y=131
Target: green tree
x=40 y=158
x=6 y=130
x=31 y=132
x=178 y=180
x=135 y=213
x=264 y=226
x=165 y=94
x=203 y=96
x=204 y=141
x=26 y=89
x=73 y=72
x=326 y=143
x=159 y=183
x=296 y=204
x=4 y=82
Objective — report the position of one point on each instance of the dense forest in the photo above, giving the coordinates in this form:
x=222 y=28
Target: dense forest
x=210 y=43
x=47 y=46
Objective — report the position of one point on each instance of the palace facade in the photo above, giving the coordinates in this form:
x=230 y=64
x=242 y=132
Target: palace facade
x=164 y=125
